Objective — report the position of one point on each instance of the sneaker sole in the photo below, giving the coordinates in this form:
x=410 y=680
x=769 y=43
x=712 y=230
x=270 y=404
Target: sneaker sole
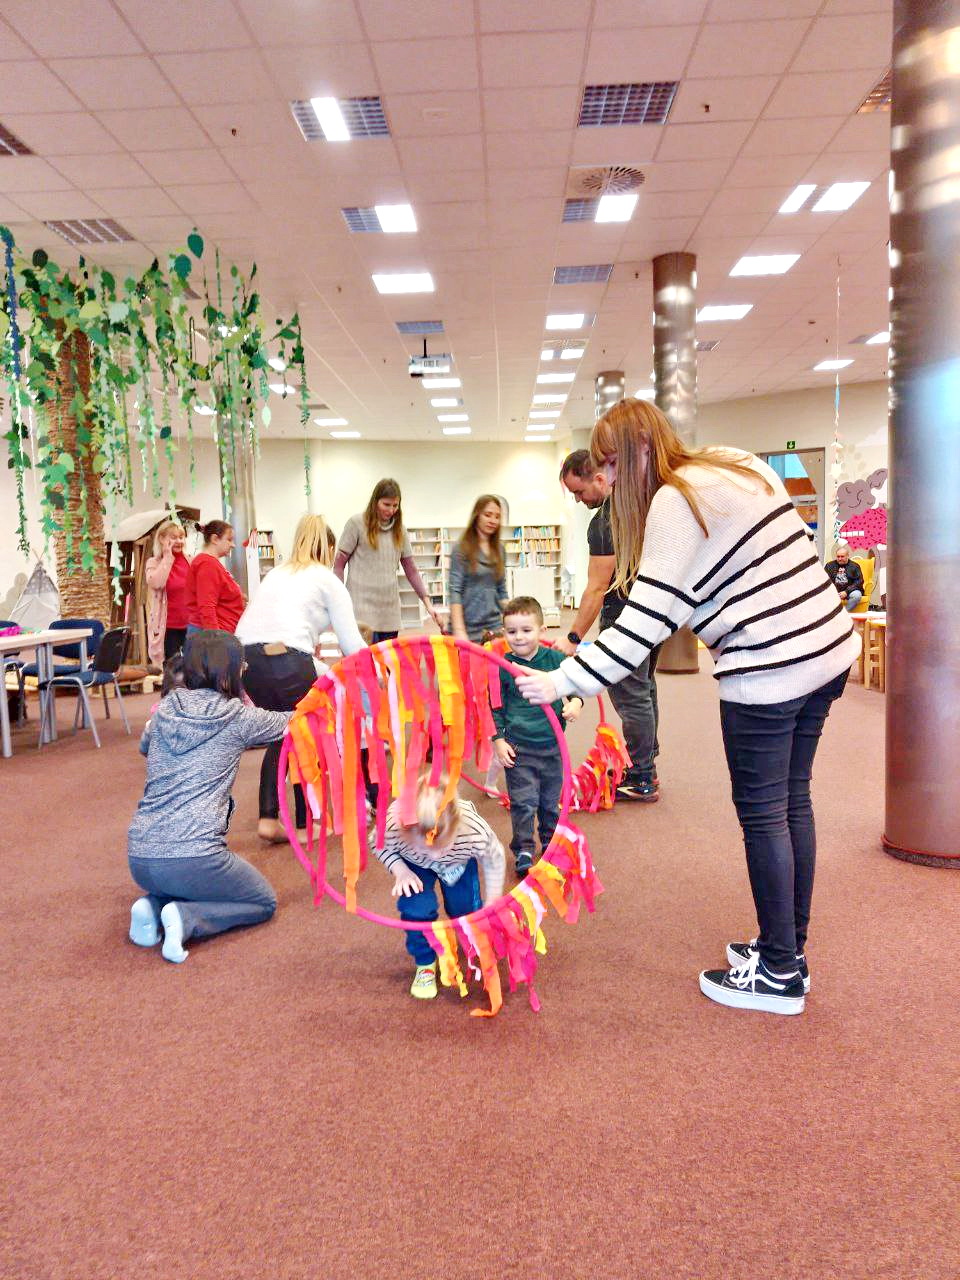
x=747 y=999
x=735 y=960
x=631 y=795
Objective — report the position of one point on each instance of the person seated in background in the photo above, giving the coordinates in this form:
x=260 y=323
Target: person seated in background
x=847 y=576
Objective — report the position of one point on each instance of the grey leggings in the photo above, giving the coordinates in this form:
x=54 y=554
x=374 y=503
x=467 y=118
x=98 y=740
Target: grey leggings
x=215 y=892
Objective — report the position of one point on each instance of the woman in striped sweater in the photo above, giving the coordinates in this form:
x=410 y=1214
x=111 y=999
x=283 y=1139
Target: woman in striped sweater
x=710 y=537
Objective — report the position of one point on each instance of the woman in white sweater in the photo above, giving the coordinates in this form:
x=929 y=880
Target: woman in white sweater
x=280 y=630
x=710 y=537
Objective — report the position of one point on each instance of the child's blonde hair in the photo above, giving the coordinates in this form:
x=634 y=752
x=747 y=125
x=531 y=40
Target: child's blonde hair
x=437 y=826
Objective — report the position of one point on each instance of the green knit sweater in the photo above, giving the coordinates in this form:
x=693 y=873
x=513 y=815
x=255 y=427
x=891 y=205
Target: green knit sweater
x=519 y=721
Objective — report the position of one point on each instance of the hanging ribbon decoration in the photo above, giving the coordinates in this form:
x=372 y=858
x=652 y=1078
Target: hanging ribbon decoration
x=17 y=432
x=836 y=464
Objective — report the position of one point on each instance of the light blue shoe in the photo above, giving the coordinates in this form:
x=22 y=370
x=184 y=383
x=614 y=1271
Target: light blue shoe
x=144 y=926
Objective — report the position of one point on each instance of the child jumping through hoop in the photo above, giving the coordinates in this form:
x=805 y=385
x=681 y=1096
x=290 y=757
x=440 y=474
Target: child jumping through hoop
x=440 y=847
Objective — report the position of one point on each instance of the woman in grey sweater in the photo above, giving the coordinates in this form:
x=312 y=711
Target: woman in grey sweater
x=177 y=842
x=478 y=587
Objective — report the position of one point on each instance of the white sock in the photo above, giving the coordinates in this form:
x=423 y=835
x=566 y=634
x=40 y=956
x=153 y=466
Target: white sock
x=144 y=930
x=172 y=922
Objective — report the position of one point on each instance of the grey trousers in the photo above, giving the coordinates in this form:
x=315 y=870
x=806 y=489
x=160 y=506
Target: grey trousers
x=216 y=892
x=635 y=702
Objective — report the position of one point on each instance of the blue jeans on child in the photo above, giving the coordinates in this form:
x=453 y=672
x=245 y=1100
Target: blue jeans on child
x=459 y=899
x=534 y=784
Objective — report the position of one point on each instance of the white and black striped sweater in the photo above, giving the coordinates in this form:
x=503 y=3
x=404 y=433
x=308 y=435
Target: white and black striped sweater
x=754 y=591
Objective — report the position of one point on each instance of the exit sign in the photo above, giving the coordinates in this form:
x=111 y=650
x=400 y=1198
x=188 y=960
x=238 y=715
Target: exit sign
x=791 y=444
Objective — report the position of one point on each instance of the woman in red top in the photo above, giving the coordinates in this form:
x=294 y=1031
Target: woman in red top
x=214 y=601
x=166 y=573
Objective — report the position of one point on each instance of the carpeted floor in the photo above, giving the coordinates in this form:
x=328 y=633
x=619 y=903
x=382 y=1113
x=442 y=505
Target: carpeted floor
x=278 y=1106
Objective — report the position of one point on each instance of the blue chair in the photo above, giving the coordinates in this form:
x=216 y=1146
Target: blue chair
x=12 y=662
x=106 y=664
x=70 y=651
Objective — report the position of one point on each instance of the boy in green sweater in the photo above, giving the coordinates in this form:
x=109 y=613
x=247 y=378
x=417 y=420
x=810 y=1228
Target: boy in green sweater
x=525 y=743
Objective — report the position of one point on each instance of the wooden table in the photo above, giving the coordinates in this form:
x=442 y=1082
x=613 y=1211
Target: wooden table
x=873 y=650
x=43 y=644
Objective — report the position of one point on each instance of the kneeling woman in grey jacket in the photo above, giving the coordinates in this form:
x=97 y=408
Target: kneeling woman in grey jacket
x=177 y=843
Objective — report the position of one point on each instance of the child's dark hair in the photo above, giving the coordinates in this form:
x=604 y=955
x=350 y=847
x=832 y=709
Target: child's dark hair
x=213 y=660
x=213 y=529
x=172 y=674
x=524 y=604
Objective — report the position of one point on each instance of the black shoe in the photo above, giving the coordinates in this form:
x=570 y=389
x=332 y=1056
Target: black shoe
x=739 y=953
x=646 y=791
x=524 y=862
x=753 y=986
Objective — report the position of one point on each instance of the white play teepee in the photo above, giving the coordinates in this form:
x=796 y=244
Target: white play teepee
x=39 y=602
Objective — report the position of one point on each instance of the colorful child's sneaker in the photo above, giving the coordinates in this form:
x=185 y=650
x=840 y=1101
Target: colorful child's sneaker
x=424 y=986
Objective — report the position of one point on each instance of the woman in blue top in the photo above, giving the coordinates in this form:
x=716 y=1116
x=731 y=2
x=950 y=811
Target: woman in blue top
x=478 y=588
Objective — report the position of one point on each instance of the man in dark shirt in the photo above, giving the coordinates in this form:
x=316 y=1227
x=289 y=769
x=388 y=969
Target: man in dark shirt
x=847 y=576
x=634 y=698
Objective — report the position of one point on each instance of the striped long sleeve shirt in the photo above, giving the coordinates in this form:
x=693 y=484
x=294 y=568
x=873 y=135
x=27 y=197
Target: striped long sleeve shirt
x=753 y=590
x=474 y=839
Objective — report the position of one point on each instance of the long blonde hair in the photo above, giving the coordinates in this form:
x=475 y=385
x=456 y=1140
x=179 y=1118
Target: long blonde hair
x=311 y=544
x=371 y=521
x=649 y=453
x=470 y=538
x=436 y=823
x=161 y=532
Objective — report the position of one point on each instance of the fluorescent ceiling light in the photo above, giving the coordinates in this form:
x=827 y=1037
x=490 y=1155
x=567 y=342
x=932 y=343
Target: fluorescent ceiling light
x=645 y=393
x=453 y=417
x=545 y=399
x=572 y=353
x=541 y=426
x=840 y=196
x=344 y=435
x=615 y=208
x=330 y=119
x=444 y=402
x=545 y=413
x=555 y=377
x=830 y=366
x=537 y=439
x=204 y=410
x=456 y=431
x=436 y=384
x=882 y=336
x=403 y=282
x=275 y=362
x=396 y=217
x=732 y=312
x=798 y=197
x=764 y=264
x=282 y=388
x=330 y=422
x=547 y=353
x=566 y=320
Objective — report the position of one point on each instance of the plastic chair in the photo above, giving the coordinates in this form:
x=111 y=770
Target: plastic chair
x=11 y=662
x=106 y=665
x=866 y=568
x=72 y=650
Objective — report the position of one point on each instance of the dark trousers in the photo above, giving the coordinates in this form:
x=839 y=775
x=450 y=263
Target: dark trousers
x=635 y=702
x=384 y=635
x=533 y=784
x=277 y=682
x=173 y=639
x=458 y=900
x=216 y=892
x=770 y=751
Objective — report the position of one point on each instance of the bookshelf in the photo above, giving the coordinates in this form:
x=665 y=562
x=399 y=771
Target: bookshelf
x=427 y=544
x=266 y=551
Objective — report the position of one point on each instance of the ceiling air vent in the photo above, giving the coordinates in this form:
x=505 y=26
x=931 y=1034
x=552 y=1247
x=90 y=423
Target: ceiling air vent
x=420 y=326
x=361 y=219
x=613 y=104
x=708 y=346
x=599 y=273
x=580 y=210
x=364 y=118
x=878 y=99
x=10 y=144
x=90 y=231
x=587 y=182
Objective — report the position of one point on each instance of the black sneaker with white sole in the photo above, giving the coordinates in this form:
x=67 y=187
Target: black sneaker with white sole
x=753 y=986
x=739 y=953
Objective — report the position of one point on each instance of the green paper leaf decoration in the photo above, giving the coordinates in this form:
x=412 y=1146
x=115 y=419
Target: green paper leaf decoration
x=166 y=433
x=265 y=415
x=64 y=460
x=117 y=311
x=91 y=310
x=195 y=244
x=182 y=265
x=39 y=259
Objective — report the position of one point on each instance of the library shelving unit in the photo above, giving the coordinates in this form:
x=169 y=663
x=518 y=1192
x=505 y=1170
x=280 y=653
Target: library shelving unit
x=427 y=543
x=266 y=551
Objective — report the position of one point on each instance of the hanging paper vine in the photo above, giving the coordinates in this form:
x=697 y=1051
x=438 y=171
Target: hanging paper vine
x=87 y=346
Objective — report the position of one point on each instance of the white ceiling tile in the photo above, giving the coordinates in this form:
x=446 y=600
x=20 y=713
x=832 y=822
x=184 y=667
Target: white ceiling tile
x=857 y=6
x=324 y=70
x=671 y=204
x=522 y=183
x=113 y=170
x=457 y=184
x=757 y=10
x=428 y=115
x=820 y=93
x=49 y=206
x=11 y=46
x=551 y=58
x=505 y=110
x=160 y=129
x=10 y=212
x=729 y=223
x=219 y=197
x=399 y=19
x=117 y=202
x=202 y=165
x=847 y=166
x=232 y=75
x=867 y=132
x=683 y=175
x=263 y=164
x=761 y=171
x=629 y=144
x=30 y=86
x=647 y=13
x=61 y=134
x=745 y=49
x=30 y=173
x=106 y=83
x=302 y=23
x=414 y=66
x=256 y=124
x=442 y=153
x=702 y=141
x=749 y=200
x=71 y=28
x=735 y=98
x=172 y=26
x=859 y=40
x=640 y=53
x=542 y=148
x=559 y=15
x=791 y=137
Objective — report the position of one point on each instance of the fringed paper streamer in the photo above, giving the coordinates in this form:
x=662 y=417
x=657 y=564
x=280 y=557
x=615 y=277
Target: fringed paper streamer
x=595 y=782
x=408 y=696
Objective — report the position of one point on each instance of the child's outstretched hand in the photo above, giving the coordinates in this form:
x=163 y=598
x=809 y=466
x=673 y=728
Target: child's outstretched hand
x=405 y=881
x=572 y=708
x=505 y=754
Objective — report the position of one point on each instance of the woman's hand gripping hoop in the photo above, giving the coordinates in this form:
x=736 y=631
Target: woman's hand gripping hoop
x=428 y=700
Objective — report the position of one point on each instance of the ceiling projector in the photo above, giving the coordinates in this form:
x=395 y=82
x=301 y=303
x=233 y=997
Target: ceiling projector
x=420 y=365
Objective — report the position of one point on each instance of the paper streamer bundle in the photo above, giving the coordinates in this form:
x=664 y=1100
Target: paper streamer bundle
x=424 y=702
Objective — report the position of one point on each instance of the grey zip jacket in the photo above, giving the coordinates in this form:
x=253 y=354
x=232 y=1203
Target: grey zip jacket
x=193 y=747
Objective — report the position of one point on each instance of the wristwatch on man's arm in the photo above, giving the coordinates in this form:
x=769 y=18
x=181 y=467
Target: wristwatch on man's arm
x=573 y=637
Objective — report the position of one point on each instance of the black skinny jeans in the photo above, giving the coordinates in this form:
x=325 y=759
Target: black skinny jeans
x=770 y=751
x=277 y=682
